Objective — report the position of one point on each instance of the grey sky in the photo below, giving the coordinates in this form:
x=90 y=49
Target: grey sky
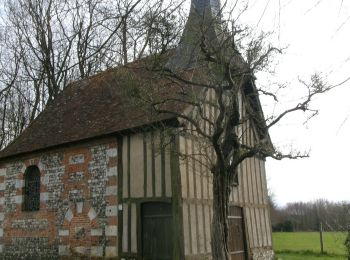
x=317 y=34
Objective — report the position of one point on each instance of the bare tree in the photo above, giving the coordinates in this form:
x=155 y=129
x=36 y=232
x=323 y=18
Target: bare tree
x=54 y=42
x=48 y=43
x=213 y=76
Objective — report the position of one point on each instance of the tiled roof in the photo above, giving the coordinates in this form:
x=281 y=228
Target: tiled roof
x=97 y=106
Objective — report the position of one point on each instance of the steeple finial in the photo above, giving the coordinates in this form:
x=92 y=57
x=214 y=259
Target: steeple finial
x=203 y=23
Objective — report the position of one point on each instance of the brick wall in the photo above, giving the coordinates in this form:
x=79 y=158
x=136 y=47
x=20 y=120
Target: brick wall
x=78 y=204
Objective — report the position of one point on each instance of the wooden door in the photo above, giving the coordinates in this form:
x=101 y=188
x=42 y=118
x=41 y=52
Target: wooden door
x=236 y=240
x=157 y=231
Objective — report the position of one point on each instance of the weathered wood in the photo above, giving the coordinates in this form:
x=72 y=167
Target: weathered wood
x=207 y=227
x=167 y=173
x=125 y=167
x=321 y=237
x=149 y=170
x=157 y=233
x=195 y=189
x=145 y=178
x=178 y=235
x=183 y=168
x=186 y=229
x=237 y=241
x=120 y=191
x=149 y=163
x=158 y=184
x=136 y=166
x=193 y=222
x=125 y=237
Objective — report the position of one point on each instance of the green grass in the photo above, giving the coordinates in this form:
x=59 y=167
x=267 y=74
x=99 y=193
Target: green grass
x=307 y=256
x=306 y=245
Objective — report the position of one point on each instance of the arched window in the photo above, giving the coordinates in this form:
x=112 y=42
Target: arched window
x=31 y=189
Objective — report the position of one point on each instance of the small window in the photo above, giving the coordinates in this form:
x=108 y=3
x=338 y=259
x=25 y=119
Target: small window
x=31 y=190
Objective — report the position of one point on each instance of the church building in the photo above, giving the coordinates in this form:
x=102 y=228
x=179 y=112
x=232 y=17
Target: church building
x=91 y=176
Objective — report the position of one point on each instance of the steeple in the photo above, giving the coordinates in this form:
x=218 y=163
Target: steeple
x=203 y=22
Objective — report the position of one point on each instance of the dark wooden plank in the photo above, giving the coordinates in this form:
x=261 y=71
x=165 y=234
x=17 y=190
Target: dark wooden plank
x=236 y=239
x=120 y=190
x=153 y=164
x=128 y=162
x=157 y=237
x=162 y=158
x=176 y=191
x=145 y=165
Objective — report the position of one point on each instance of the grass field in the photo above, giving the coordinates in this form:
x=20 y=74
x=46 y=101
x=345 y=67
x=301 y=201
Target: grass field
x=306 y=246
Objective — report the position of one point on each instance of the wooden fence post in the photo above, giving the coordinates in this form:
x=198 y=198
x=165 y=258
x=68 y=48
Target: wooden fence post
x=321 y=237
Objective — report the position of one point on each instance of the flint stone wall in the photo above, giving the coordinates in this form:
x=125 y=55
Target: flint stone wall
x=77 y=192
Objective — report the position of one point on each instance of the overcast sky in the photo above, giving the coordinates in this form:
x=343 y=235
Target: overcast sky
x=317 y=33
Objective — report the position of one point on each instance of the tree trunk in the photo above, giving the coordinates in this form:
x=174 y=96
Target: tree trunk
x=219 y=235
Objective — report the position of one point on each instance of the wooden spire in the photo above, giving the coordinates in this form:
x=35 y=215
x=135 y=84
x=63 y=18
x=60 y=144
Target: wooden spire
x=203 y=23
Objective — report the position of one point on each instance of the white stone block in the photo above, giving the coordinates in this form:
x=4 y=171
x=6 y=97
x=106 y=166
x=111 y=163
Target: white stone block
x=2 y=216
x=2 y=186
x=112 y=152
x=18 y=199
x=45 y=180
x=111 y=211
x=79 y=207
x=24 y=168
x=92 y=214
x=19 y=184
x=120 y=207
x=96 y=251
x=69 y=215
x=41 y=166
x=96 y=232
x=3 y=172
x=1 y=232
x=112 y=171
x=63 y=250
x=112 y=190
x=77 y=159
x=111 y=251
x=63 y=232
x=44 y=196
x=82 y=250
x=2 y=201
x=111 y=231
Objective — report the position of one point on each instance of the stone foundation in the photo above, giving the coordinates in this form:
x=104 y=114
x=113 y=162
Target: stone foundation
x=262 y=254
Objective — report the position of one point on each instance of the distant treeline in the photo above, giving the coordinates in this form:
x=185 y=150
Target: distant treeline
x=307 y=216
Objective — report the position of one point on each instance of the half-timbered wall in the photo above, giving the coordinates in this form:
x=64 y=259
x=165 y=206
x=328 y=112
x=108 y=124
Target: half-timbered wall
x=197 y=198
x=78 y=204
x=146 y=177
x=86 y=205
x=250 y=194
